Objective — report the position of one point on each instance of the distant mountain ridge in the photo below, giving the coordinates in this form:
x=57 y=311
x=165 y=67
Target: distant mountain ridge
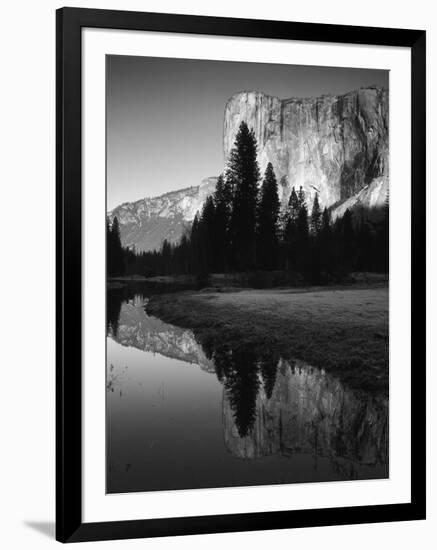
x=335 y=145
x=147 y=222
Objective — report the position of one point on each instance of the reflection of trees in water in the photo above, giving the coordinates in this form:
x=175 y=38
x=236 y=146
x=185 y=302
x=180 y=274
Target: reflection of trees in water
x=242 y=384
x=269 y=367
x=115 y=298
x=242 y=371
x=307 y=412
x=272 y=405
x=123 y=293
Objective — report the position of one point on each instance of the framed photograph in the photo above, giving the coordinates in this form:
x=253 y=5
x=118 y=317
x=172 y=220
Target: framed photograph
x=240 y=275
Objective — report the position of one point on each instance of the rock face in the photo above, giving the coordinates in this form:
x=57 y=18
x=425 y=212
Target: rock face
x=371 y=198
x=147 y=222
x=334 y=145
x=312 y=412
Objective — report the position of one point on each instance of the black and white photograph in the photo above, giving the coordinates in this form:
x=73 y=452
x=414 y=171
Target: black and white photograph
x=218 y=287
x=247 y=261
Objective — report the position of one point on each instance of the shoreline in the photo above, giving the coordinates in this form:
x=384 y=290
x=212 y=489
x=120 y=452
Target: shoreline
x=342 y=329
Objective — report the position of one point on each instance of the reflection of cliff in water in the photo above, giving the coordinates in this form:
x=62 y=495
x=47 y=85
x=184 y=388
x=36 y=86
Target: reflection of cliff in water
x=271 y=406
x=136 y=329
x=310 y=412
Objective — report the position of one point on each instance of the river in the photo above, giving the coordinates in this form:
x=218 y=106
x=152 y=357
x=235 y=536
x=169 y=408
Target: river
x=182 y=416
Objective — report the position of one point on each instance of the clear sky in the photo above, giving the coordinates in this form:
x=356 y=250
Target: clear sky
x=165 y=116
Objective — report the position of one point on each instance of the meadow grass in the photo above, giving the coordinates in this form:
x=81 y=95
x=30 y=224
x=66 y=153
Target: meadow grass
x=344 y=330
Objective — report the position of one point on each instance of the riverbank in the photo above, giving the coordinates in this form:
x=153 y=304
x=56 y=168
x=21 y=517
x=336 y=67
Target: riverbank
x=249 y=280
x=342 y=329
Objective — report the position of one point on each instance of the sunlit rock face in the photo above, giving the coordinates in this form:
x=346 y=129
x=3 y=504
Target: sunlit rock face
x=334 y=145
x=371 y=198
x=311 y=412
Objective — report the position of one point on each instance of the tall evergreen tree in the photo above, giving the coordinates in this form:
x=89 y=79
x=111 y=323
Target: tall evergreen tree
x=268 y=222
x=315 y=263
x=302 y=233
x=301 y=202
x=109 y=268
x=325 y=242
x=293 y=207
x=385 y=235
x=166 y=257
x=326 y=222
x=222 y=202
x=115 y=250
x=316 y=216
x=207 y=222
x=195 y=245
x=244 y=171
x=290 y=229
x=347 y=237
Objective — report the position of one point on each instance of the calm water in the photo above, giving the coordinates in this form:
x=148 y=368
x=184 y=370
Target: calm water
x=180 y=416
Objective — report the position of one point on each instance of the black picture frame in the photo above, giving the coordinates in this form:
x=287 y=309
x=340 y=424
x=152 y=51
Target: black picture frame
x=69 y=525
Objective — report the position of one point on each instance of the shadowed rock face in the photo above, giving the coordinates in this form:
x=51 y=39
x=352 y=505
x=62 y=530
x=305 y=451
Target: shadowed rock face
x=334 y=145
x=311 y=412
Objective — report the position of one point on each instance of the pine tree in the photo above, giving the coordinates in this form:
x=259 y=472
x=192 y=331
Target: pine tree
x=293 y=207
x=385 y=235
x=222 y=202
x=243 y=170
x=207 y=222
x=268 y=221
x=301 y=202
x=325 y=243
x=316 y=216
x=315 y=260
x=302 y=233
x=115 y=250
x=326 y=222
x=347 y=240
x=290 y=229
x=109 y=267
x=166 y=257
x=195 y=245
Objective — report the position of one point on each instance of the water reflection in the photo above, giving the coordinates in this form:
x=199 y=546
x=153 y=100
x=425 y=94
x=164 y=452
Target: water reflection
x=270 y=407
x=309 y=412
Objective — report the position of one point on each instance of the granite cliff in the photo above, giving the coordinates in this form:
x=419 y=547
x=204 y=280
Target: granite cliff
x=336 y=145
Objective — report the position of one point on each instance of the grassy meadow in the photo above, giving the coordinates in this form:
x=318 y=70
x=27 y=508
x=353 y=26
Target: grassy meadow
x=343 y=330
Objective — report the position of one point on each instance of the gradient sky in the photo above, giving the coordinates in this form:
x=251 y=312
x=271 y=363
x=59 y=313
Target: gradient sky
x=165 y=116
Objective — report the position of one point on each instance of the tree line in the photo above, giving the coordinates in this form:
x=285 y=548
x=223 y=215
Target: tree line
x=241 y=229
